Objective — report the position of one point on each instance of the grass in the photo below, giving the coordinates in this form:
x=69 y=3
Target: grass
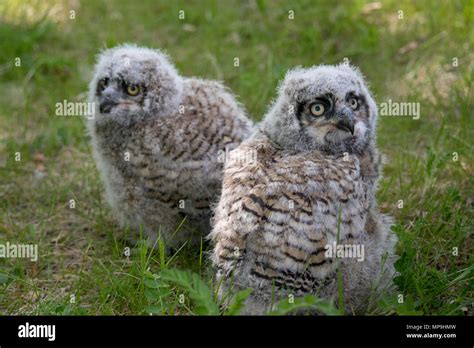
x=82 y=268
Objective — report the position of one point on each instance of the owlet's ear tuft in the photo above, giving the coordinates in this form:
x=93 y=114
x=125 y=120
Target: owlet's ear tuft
x=351 y=69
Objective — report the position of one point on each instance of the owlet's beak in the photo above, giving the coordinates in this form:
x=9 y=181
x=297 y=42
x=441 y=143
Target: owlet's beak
x=106 y=106
x=344 y=119
x=107 y=101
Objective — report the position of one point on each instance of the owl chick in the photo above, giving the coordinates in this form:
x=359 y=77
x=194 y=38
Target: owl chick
x=158 y=140
x=298 y=203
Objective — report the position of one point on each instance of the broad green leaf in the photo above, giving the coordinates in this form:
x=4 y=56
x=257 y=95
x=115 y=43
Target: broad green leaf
x=200 y=294
x=238 y=302
x=309 y=302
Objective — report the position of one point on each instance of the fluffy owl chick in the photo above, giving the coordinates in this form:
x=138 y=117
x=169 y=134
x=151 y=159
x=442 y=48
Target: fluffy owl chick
x=300 y=187
x=157 y=139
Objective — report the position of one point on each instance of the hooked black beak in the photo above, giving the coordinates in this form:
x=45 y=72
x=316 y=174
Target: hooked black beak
x=345 y=120
x=106 y=105
x=346 y=125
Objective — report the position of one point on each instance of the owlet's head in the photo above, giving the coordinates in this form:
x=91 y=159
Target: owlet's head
x=326 y=108
x=132 y=83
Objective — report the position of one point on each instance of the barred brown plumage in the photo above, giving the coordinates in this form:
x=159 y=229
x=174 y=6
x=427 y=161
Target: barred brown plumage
x=171 y=135
x=311 y=185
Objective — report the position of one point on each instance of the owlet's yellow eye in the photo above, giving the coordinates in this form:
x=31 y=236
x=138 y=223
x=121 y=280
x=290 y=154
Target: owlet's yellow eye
x=317 y=109
x=133 y=90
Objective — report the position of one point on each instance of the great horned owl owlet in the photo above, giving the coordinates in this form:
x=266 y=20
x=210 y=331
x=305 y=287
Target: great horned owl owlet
x=306 y=192
x=158 y=140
